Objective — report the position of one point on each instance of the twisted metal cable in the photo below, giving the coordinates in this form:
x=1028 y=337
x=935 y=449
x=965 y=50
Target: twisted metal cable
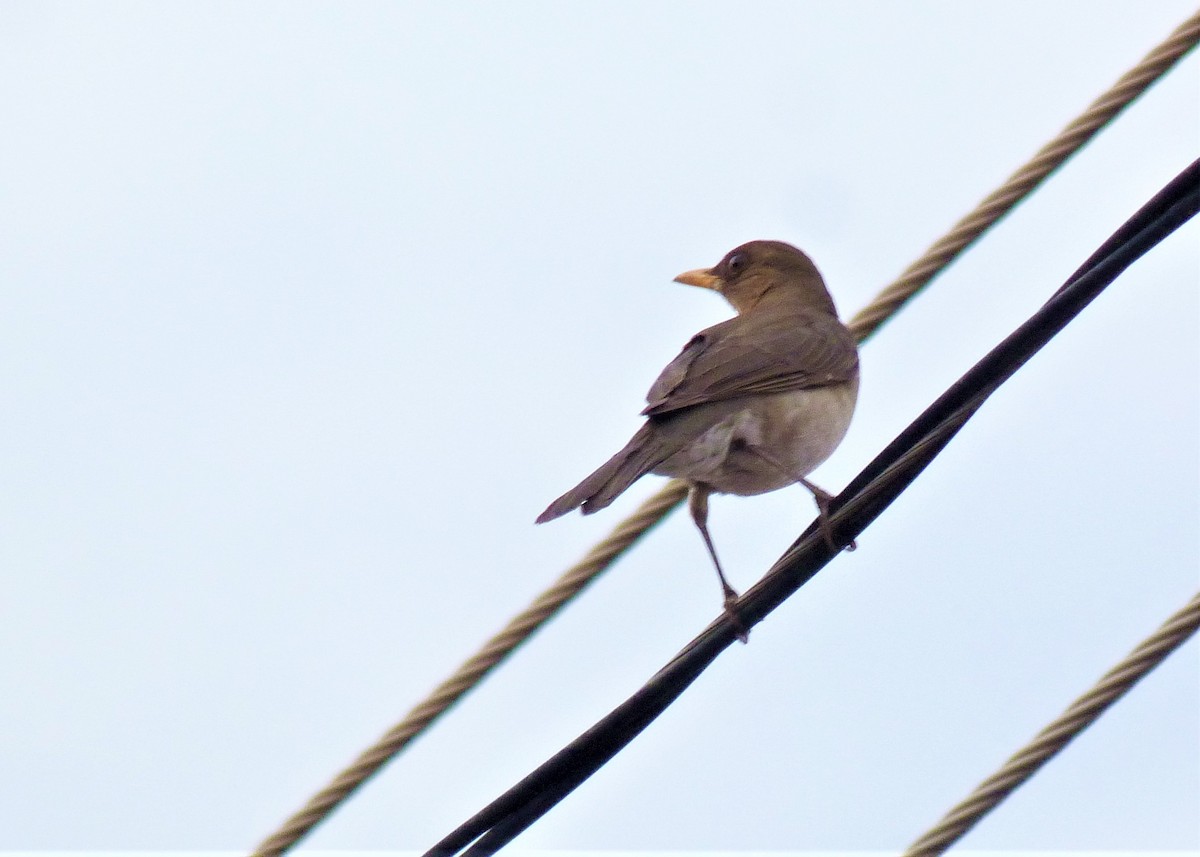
x=1072 y=138
x=1081 y=713
x=653 y=510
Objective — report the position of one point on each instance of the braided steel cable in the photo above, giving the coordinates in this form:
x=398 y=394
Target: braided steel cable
x=1079 y=715
x=994 y=206
x=603 y=554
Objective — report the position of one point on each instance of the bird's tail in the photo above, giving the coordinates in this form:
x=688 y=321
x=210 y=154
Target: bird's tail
x=613 y=477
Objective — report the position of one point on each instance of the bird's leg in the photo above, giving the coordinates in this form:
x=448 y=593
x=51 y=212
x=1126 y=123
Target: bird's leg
x=698 y=506
x=820 y=496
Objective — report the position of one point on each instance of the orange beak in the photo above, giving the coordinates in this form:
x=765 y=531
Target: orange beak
x=701 y=277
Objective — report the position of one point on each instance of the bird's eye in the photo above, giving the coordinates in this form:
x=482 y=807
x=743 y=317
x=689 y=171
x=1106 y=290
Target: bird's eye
x=736 y=263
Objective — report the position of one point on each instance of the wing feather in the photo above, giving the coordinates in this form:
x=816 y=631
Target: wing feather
x=755 y=354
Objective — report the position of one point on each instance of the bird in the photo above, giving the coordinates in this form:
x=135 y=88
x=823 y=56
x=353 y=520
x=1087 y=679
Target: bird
x=752 y=404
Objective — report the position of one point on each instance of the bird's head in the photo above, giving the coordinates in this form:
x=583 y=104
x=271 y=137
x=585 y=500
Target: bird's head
x=760 y=269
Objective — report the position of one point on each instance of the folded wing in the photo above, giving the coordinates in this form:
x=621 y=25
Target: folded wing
x=753 y=355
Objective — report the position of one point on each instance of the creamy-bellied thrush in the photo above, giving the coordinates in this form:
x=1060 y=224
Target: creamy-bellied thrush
x=750 y=405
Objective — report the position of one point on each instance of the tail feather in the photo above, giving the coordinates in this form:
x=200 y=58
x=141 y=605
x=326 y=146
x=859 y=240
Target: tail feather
x=610 y=479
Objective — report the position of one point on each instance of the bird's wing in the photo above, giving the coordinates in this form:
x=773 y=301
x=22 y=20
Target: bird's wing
x=755 y=354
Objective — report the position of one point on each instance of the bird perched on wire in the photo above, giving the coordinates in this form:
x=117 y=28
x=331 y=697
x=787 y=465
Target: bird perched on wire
x=750 y=405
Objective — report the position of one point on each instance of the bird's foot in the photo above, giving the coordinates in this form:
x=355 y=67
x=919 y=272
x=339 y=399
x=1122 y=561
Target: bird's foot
x=823 y=499
x=739 y=627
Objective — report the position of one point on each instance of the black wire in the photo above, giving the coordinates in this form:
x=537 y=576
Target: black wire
x=863 y=500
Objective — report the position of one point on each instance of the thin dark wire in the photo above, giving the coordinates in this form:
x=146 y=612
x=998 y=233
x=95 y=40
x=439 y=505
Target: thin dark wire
x=852 y=511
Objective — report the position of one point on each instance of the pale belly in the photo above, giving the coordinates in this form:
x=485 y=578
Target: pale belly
x=770 y=443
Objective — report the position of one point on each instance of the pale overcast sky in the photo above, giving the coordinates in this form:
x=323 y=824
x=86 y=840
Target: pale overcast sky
x=309 y=309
